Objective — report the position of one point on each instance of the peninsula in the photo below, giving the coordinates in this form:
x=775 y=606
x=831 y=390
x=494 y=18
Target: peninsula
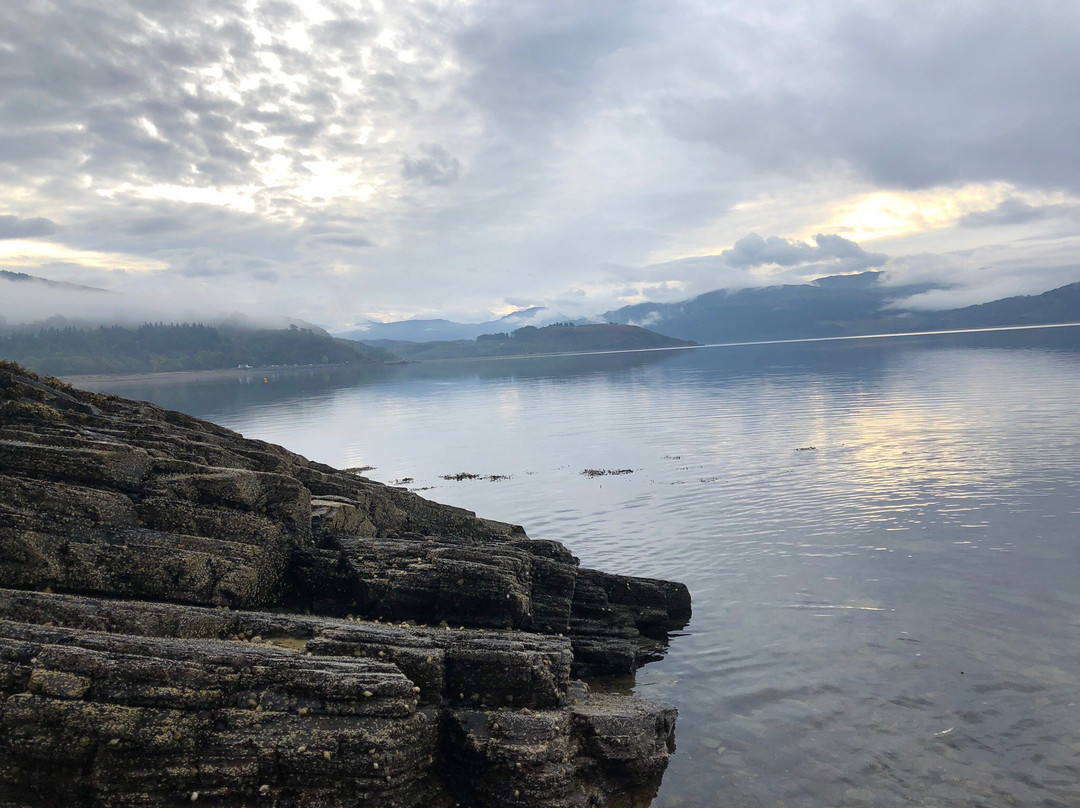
x=188 y=616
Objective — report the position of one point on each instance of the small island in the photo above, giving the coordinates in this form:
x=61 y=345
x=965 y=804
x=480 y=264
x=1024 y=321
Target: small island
x=188 y=616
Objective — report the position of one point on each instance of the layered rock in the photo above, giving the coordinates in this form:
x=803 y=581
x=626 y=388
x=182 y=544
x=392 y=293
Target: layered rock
x=190 y=615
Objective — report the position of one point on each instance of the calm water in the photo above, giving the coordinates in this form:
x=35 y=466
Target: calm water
x=881 y=538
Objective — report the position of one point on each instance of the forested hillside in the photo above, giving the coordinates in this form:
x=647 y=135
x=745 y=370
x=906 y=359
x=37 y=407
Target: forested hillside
x=188 y=346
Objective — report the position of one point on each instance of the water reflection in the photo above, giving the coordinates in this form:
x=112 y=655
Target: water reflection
x=880 y=538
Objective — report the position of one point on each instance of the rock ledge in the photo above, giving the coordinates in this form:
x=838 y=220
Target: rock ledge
x=188 y=616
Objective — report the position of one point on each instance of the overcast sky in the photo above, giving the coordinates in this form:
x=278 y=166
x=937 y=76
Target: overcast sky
x=338 y=160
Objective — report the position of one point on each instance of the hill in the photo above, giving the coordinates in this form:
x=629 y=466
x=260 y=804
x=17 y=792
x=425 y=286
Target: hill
x=843 y=305
x=1061 y=305
x=449 y=330
x=558 y=338
x=33 y=280
x=158 y=348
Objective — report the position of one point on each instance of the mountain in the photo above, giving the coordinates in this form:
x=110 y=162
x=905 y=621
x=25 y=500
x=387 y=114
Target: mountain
x=159 y=348
x=1061 y=305
x=840 y=305
x=442 y=330
x=530 y=340
x=22 y=277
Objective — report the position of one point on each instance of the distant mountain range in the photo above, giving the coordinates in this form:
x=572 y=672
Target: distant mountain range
x=444 y=330
x=833 y=306
x=840 y=305
x=530 y=340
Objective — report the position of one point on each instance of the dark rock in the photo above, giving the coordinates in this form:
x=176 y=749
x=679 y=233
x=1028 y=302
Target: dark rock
x=233 y=623
x=92 y=719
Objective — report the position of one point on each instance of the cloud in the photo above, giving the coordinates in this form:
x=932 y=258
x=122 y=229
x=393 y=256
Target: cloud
x=351 y=240
x=905 y=96
x=339 y=160
x=435 y=167
x=14 y=227
x=755 y=251
x=751 y=261
x=1017 y=211
x=530 y=64
x=978 y=276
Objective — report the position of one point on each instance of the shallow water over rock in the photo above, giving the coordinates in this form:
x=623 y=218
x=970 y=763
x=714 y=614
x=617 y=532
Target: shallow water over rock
x=880 y=537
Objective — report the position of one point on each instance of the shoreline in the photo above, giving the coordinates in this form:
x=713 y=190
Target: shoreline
x=194 y=375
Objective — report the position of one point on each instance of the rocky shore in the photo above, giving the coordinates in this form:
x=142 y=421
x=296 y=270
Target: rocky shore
x=188 y=616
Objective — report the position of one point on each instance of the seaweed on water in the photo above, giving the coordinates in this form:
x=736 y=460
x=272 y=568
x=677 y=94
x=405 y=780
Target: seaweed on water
x=464 y=475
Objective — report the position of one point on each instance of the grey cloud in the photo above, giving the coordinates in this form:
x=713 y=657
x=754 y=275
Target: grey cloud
x=1017 y=211
x=215 y=264
x=754 y=251
x=907 y=95
x=535 y=60
x=435 y=167
x=204 y=266
x=343 y=240
x=571 y=136
x=264 y=275
x=156 y=225
x=14 y=227
x=752 y=261
x=344 y=33
x=168 y=228
x=84 y=103
x=982 y=274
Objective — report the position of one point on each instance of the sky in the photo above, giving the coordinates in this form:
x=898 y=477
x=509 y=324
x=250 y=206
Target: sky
x=341 y=160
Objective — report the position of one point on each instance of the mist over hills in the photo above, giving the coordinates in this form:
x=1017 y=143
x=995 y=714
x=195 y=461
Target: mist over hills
x=31 y=303
x=447 y=330
x=529 y=340
x=185 y=347
x=22 y=277
x=839 y=305
x=833 y=306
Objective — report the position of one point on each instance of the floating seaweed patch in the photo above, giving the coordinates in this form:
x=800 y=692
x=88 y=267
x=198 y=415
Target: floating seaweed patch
x=464 y=475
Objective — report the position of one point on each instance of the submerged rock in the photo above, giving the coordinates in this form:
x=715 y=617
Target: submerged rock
x=190 y=616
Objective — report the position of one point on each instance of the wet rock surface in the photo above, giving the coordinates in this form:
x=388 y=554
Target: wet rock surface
x=188 y=616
